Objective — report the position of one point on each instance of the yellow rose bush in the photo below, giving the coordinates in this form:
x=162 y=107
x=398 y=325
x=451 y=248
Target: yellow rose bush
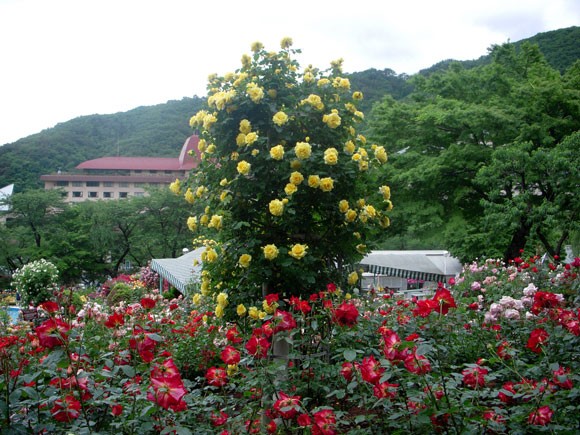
x=302 y=193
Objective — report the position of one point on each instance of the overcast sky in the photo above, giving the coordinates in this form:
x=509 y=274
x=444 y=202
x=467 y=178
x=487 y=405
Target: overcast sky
x=60 y=59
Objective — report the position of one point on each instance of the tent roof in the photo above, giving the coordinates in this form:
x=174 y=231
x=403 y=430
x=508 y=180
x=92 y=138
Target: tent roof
x=179 y=271
x=420 y=265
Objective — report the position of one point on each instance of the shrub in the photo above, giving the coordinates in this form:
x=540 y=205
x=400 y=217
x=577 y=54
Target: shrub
x=36 y=282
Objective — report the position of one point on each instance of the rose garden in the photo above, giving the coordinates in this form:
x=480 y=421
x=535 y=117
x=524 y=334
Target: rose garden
x=278 y=336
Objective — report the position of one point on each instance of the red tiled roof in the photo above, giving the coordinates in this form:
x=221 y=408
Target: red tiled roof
x=185 y=162
x=112 y=178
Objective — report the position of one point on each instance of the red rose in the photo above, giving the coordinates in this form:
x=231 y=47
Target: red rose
x=216 y=376
x=537 y=338
x=345 y=314
x=230 y=355
x=541 y=417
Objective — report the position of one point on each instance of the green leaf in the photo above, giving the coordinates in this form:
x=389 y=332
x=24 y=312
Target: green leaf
x=349 y=355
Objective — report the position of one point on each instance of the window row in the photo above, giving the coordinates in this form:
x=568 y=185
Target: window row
x=62 y=183
x=106 y=195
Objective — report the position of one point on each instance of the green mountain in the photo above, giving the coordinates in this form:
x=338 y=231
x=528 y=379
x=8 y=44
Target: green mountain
x=160 y=130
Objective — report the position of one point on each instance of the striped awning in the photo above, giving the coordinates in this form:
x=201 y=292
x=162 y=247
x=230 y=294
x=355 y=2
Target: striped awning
x=181 y=271
x=434 y=266
x=402 y=273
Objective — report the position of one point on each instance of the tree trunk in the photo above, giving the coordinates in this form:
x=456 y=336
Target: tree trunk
x=518 y=242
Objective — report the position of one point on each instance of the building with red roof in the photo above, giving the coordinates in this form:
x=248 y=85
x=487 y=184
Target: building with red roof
x=122 y=177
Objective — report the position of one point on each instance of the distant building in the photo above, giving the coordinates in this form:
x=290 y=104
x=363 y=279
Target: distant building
x=5 y=194
x=123 y=177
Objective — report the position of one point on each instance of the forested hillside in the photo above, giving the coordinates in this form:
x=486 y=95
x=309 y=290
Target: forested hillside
x=160 y=130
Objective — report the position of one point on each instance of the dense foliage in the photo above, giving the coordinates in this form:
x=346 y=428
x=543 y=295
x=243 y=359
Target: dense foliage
x=486 y=158
x=495 y=352
x=91 y=240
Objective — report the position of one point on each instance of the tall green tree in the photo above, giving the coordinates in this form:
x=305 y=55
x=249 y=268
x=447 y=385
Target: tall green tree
x=450 y=137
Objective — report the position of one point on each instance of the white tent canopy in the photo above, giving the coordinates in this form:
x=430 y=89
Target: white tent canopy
x=431 y=265
x=181 y=271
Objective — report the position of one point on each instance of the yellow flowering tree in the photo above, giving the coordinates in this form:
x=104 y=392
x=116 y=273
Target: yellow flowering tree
x=287 y=189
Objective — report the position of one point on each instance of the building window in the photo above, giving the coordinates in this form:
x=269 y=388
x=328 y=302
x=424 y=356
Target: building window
x=77 y=194
x=93 y=184
x=108 y=184
x=139 y=184
x=137 y=171
x=123 y=184
x=93 y=194
x=107 y=195
x=153 y=172
x=122 y=194
x=168 y=172
x=61 y=183
x=77 y=184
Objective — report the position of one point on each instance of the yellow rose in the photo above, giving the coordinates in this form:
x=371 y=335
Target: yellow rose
x=245 y=260
x=251 y=138
x=343 y=206
x=209 y=255
x=370 y=211
x=255 y=92
x=332 y=119
x=331 y=156
x=204 y=220
x=215 y=222
x=241 y=139
x=243 y=167
x=308 y=77
x=192 y=223
x=200 y=191
x=276 y=207
x=208 y=121
x=257 y=46
x=353 y=278
x=280 y=119
x=224 y=195
x=254 y=313
x=323 y=82
x=196 y=299
x=296 y=178
x=219 y=311
x=286 y=43
x=303 y=150
x=262 y=315
x=314 y=101
x=386 y=191
x=389 y=205
x=298 y=251
x=290 y=189
x=269 y=308
x=357 y=95
x=381 y=154
x=245 y=126
x=277 y=152
x=235 y=156
x=270 y=252
x=295 y=164
x=363 y=165
x=349 y=147
x=326 y=184
x=313 y=181
x=350 y=215
x=241 y=310
x=189 y=196
x=222 y=299
x=175 y=187
x=224 y=182
x=204 y=287
x=385 y=222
